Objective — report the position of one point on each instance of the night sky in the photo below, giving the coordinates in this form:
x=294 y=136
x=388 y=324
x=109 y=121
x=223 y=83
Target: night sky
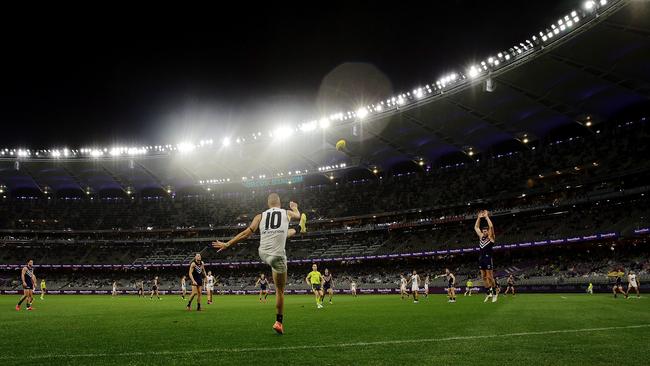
x=136 y=76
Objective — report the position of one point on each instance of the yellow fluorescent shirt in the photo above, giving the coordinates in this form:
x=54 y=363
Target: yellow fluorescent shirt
x=314 y=277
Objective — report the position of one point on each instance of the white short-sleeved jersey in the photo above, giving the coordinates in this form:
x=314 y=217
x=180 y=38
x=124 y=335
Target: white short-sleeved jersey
x=415 y=281
x=632 y=280
x=210 y=280
x=274 y=228
x=403 y=283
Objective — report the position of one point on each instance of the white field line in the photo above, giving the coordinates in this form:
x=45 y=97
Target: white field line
x=315 y=346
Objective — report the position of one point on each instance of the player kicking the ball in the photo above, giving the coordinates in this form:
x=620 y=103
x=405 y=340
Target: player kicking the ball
x=274 y=230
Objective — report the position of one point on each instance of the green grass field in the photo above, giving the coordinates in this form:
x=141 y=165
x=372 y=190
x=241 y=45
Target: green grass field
x=549 y=329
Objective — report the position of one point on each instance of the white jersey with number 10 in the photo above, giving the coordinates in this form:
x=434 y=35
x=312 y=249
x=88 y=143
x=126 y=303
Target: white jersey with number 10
x=274 y=227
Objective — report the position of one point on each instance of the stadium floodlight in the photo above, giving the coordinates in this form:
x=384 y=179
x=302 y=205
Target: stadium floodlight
x=56 y=153
x=184 y=147
x=96 y=153
x=282 y=132
x=589 y=5
x=115 y=152
x=324 y=123
x=362 y=113
x=603 y=2
x=225 y=142
x=309 y=126
x=473 y=71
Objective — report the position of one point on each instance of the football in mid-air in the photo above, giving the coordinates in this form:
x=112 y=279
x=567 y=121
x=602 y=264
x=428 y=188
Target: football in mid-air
x=340 y=145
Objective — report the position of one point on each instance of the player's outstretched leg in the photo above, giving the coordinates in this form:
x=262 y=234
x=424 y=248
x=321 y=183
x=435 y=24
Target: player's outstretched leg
x=303 y=223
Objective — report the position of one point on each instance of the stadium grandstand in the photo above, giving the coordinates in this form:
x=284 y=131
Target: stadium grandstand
x=550 y=136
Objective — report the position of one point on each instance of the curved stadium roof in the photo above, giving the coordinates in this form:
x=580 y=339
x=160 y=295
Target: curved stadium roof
x=597 y=70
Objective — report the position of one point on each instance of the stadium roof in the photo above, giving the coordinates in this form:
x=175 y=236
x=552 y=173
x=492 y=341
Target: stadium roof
x=592 y=73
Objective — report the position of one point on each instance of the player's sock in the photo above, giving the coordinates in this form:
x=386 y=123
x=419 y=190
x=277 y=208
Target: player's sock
x=21 y=300
x=303 y=223
x=278 y=318
x=265 y=296
x=198 y=306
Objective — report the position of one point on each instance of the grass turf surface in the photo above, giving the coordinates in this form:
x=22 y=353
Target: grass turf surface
x=553 y=329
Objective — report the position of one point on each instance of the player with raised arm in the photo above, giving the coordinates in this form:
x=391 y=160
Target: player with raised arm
x=196 y=274
x=632 y=283
x=210 y=286
x=314 y=279
x=415 y=285
x=328 y=285
x=28 y=279
x=451 y=285
x=274 y=231
x=486 y=242
x=263 y=283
